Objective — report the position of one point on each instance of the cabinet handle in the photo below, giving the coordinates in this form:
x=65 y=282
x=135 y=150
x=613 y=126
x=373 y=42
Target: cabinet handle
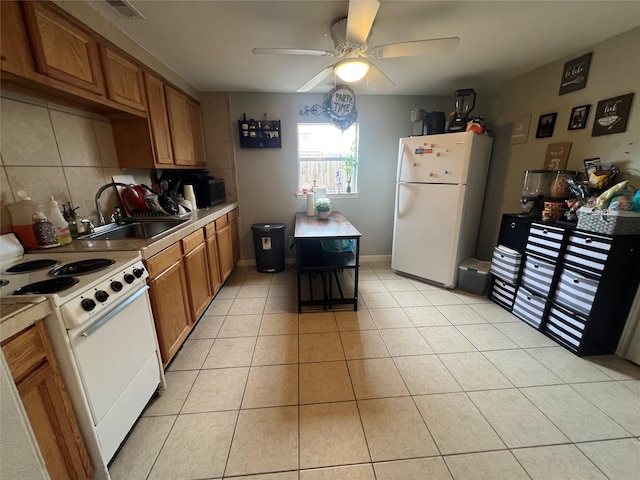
x=528 y=298
x=588 y=240
x=576 y=281
x=535 y=266
x=545 y=231
x=513 y=224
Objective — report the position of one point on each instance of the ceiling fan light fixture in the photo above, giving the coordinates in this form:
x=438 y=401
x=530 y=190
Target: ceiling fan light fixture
x=351 y=70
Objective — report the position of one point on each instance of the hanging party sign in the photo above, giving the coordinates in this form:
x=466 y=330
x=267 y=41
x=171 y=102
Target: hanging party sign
x=339 y=106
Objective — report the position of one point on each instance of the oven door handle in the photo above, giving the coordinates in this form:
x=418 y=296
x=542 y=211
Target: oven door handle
x=113 y=312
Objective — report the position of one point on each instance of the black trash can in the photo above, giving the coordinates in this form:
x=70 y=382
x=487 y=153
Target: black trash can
x=268 y=242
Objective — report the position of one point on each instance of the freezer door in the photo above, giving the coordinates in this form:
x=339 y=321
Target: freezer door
x=434 y=158
x=426 y=231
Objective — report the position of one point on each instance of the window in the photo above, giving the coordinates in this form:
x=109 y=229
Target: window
x=328 y=155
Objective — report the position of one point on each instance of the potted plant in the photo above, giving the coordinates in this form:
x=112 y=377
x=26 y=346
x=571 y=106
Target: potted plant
x=323 y=208
x=350 y=164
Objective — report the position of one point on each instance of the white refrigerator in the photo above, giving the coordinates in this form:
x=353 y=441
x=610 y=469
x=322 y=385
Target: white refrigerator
x=439 y=195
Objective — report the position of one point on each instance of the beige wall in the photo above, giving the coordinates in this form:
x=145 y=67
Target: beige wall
x=47 y=150
x=614 y=71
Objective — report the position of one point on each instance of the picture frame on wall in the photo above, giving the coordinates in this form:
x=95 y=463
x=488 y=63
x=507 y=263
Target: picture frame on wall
x=557 y=156
x=574 y=74
x=546 y=124
x=520 y=129
x=612 y=115
x=578 y=117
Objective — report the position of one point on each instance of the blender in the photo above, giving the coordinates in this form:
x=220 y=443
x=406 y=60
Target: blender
x=465 y=102
x=536 y=186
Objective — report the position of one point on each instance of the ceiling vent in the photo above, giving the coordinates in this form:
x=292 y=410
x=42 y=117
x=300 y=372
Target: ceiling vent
x=125 y=9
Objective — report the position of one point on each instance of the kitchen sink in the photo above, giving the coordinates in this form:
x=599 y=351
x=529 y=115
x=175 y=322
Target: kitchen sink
x=136 y=229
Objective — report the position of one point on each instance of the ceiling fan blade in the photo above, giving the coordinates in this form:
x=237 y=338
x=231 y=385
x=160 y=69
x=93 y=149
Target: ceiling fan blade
x=377 y=79
x=418 y=47
x=360 y=19
x=316 y=79
x=293 y=51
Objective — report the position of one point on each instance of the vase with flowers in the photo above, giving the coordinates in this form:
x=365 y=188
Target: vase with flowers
x=323 y=208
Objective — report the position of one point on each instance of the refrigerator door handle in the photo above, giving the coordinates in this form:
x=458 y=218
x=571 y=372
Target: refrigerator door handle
x=404 y=147
x=400 y=184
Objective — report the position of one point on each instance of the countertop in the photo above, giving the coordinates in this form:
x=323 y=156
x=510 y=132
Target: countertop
x=18 y=313
x=151 y=246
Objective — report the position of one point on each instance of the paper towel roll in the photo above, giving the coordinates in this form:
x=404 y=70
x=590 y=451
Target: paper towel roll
x=311 y=204
x=190 y=196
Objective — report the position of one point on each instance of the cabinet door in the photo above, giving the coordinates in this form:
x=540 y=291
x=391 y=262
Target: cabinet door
x=225 y=252
x=124 y=80
x=14 y=46
x=158 y=120
x=47 y=405
x=235 y=236
x=197 y=133
x=214 y=264
x=62 y=49
x=171 y=312
x=197 y=265
x=180 y=126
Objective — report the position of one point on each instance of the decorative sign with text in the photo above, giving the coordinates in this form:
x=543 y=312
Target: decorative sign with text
x=574 y=74
x=557 y=156
x=612 y=115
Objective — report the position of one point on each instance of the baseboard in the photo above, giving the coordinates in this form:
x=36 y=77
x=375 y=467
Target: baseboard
x=251 y=262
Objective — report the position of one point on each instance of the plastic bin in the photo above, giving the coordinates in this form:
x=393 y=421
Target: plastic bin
x=268 y=242
x=474 y=276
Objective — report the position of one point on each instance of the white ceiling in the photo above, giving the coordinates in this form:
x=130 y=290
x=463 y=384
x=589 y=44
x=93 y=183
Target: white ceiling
x=208 y=43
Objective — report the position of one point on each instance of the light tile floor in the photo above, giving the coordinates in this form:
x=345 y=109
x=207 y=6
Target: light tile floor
x=420 y=383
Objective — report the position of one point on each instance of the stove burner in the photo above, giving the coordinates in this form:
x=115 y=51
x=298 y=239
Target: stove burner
x=52 y=285
x=3 y=283
x=32 y=266
x=82 y=267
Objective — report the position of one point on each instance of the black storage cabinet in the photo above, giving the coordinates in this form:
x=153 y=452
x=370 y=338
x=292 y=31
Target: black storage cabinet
x=268 y=242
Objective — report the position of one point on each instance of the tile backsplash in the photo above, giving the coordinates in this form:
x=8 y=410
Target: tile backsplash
x=49 y=149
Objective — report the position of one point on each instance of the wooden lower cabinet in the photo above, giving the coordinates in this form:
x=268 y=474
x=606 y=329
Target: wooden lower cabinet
x=235 y=235
x=212 y=256
x=225 y=247
x=47 y=403
x=197 y=265
x=169 y=300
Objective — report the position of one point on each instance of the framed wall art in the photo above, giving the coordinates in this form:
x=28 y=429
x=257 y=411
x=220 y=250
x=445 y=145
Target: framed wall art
x=520 y=129
x=574 y=74
x=557 y=156
x=546 y=124
x=578 y=117
x=612 y=115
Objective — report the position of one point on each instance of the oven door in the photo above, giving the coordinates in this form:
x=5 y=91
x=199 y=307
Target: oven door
x=117 y=360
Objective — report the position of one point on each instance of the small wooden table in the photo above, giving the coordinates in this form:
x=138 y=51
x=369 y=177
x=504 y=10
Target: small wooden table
x=309 y=235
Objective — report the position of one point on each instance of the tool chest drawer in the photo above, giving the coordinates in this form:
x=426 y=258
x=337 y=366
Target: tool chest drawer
x=576 y=291
x=503 y=293
x=529 y=307
x=545 y=241
x=505 y=263
x=537 y=275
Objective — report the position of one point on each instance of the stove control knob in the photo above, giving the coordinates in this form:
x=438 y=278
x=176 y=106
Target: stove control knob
x=129 y=278
x=102 y=296
x=138 y=272
x=88 y=304
x=116 y=286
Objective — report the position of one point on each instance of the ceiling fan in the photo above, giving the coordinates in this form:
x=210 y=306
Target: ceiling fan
x=350 y=36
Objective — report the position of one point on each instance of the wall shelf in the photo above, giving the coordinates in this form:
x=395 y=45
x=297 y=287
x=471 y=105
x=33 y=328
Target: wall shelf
x=260 y=133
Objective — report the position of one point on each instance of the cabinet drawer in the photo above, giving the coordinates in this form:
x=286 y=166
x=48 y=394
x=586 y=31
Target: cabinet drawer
x=588 y=252
x=221 y=222
x=24 y=351
x=565 y=326
x=505 y=263
x=544 y=241
x=537 y=275
x=576 y=291
x=529 y=307
x=503 y=293
x=210 y=230
x=163 y=260
x=192 y=241
x=233 y=214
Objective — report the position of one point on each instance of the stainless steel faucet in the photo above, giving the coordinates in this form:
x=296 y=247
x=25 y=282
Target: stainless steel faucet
x=101 y=220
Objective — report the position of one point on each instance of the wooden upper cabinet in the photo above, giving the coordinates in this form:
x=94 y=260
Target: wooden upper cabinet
x=62 y=50
x=180 y=127
x=197 y=133
x=158 y=119
x=15 y=56
x=124 y=79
